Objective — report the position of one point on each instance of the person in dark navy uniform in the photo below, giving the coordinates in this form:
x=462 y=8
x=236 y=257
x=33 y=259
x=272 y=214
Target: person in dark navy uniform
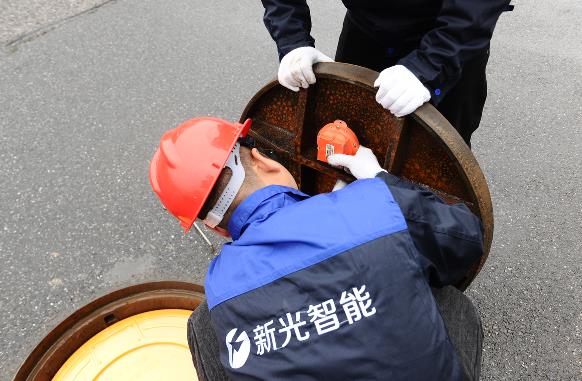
x=425 y=50
x=331 y=287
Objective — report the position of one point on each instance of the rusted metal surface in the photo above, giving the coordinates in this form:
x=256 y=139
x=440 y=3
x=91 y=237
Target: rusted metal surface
x=61 y=342
x=422 y=147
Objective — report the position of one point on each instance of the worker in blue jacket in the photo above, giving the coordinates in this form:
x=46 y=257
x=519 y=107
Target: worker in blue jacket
x=331 y=287
x=425 y=50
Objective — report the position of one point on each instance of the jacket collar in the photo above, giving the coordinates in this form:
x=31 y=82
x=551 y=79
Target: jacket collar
x=261 y=204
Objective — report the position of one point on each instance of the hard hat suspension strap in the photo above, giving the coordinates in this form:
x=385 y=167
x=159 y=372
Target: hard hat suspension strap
x=216 y=214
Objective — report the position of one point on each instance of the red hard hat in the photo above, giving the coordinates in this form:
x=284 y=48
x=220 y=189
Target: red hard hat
x=188 y=162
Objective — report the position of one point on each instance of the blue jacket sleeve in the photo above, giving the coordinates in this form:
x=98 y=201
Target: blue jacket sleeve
x=448 y=237
x=289 y=23
x=462 y=32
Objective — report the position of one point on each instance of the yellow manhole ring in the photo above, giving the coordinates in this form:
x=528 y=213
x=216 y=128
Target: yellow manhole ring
x=148 y=346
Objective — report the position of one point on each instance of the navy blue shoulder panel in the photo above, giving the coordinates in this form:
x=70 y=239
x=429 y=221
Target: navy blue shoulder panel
x=301 y=235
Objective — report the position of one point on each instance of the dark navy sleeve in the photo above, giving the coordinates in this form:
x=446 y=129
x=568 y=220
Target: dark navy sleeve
x=289 y=23
x=462 y=32
x=448 y=237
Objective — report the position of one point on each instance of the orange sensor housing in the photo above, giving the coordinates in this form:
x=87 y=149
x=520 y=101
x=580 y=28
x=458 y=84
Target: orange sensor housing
x=334 y=138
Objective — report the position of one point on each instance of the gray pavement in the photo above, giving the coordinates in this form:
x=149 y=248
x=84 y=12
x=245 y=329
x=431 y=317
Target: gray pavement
x=20 y=18
x=84 y=103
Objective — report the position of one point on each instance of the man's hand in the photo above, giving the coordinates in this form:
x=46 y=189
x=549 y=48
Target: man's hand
x=363 y=165
x=296 y=68
x=400 y=91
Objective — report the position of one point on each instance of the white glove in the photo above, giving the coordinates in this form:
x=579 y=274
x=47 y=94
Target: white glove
x=400 y=91
x=362 y=165
x=296 y=68
x=339 y=184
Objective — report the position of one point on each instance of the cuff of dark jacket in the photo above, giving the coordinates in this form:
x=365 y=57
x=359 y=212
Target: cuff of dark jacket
x=285 y=45
x=395 y=181
x=390 y=179
x=432 y=79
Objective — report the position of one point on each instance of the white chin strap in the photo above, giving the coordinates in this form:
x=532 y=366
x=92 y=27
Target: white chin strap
x=216 y=214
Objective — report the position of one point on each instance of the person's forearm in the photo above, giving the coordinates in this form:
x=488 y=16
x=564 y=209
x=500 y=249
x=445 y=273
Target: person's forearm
x=288 y=23
x=462 y=32
x=449 y=238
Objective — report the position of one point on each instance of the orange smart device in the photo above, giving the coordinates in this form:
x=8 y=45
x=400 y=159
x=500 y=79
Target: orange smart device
x=335 y=138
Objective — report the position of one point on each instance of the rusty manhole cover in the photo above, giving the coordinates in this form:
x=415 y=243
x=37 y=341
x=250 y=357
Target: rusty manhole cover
x=422 y=147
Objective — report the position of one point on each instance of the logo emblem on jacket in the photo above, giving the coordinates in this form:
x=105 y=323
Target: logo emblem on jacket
x=238 y=349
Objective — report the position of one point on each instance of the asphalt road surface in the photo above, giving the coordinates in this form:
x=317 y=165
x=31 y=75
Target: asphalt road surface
x=20 y=17
x=84 y=101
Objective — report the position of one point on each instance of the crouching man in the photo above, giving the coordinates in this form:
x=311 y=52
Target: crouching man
x=331 y=287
